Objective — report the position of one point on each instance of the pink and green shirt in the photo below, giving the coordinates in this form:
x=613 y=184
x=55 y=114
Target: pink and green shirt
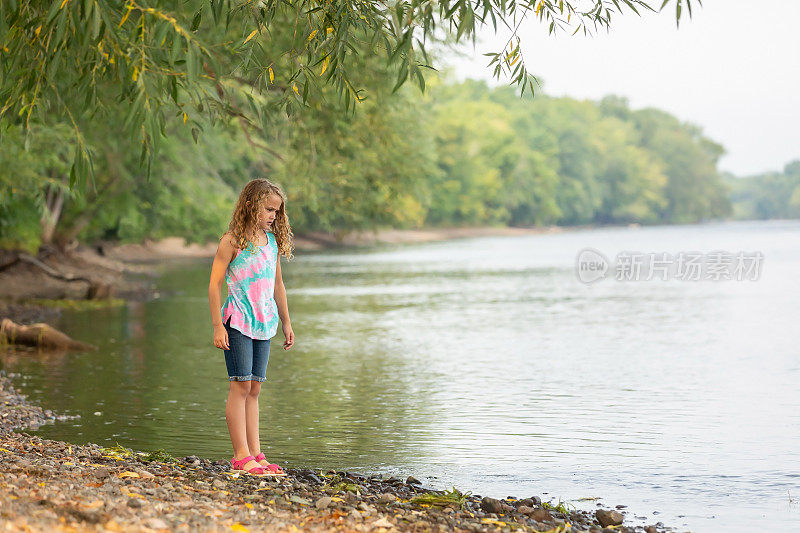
x=251 y=287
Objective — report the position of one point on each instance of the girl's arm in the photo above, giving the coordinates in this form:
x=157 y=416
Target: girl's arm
x=222 y=259
x=283 y=306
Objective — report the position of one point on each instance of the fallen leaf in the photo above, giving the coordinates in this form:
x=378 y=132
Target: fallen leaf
x=239 y=527
x=128 y=474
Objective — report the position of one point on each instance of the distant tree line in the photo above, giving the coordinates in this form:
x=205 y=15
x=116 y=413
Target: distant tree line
x=767 y=195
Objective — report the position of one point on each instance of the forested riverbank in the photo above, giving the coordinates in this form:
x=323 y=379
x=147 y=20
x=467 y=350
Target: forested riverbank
x=462 y=155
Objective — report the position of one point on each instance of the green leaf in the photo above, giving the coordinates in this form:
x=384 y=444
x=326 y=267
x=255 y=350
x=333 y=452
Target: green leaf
x=174 y=89
x=196 y=20
x=192 y=63
x=421 y=79
x=401 y=78
x=216 y=9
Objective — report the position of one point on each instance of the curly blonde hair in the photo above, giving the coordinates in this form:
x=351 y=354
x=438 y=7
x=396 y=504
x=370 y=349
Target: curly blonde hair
x=244 y=219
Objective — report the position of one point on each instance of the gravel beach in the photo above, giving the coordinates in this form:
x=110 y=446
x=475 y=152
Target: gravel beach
x=51 y=485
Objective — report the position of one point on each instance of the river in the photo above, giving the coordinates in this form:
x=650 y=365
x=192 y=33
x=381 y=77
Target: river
x=486 y=364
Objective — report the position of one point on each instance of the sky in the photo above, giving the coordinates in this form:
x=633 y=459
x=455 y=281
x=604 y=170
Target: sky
x=733 y=69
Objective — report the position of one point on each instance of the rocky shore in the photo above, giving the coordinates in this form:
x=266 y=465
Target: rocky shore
x=53 y=485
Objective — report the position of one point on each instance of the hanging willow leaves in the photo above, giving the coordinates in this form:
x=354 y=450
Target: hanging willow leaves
x=71 y=59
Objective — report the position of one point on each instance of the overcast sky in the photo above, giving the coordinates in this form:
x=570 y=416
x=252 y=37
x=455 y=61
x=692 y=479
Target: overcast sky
x=733 y=69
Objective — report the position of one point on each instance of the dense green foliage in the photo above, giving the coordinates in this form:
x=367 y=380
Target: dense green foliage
x=200 y=60
x=767 y=195
x=456 y=154
x=561 y=161
x=460 y=154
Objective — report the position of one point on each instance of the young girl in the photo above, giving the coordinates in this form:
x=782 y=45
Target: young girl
x=248 y=259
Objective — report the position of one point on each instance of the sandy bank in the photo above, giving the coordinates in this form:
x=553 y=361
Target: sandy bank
x=172 y=247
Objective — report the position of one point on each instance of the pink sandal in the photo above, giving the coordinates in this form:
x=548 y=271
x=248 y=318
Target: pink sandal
x=256 y=470
x=275 y=469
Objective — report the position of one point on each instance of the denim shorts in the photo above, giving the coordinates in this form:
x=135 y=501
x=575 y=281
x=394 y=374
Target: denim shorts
x=247 y=358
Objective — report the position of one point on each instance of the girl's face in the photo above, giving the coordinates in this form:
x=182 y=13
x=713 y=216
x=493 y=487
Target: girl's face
x=268 y=210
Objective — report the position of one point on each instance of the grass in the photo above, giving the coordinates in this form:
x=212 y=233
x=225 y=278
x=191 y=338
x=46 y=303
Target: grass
x=76 y=304
x=560 y=507
x=158 y=456
x=454 y=496
x=118 y=450
x=335 y=483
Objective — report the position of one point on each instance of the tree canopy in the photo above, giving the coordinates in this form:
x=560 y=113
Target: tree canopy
x=459 y=154
x=194 y=61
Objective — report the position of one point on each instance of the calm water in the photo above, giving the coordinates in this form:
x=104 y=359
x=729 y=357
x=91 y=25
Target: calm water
x=485 y=364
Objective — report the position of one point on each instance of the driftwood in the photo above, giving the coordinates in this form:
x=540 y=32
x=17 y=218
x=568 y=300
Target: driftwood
x=40 y=334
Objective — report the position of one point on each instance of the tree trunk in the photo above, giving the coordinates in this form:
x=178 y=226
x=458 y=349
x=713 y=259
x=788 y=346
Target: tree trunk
x=54 y=205
x=67 y=236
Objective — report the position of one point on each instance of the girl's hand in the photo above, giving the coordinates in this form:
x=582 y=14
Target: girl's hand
x=221 y=337
x=289 y=334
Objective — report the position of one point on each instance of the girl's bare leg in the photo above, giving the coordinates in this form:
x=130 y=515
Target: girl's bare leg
x=235 y=415
x=251 y=416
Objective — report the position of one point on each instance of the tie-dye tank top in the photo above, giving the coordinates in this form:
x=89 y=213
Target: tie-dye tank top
x=251 y=285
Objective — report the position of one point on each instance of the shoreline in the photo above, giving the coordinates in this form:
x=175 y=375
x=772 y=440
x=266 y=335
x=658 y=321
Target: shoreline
x=176 y=247
x=50 y=484
x=111 y=272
